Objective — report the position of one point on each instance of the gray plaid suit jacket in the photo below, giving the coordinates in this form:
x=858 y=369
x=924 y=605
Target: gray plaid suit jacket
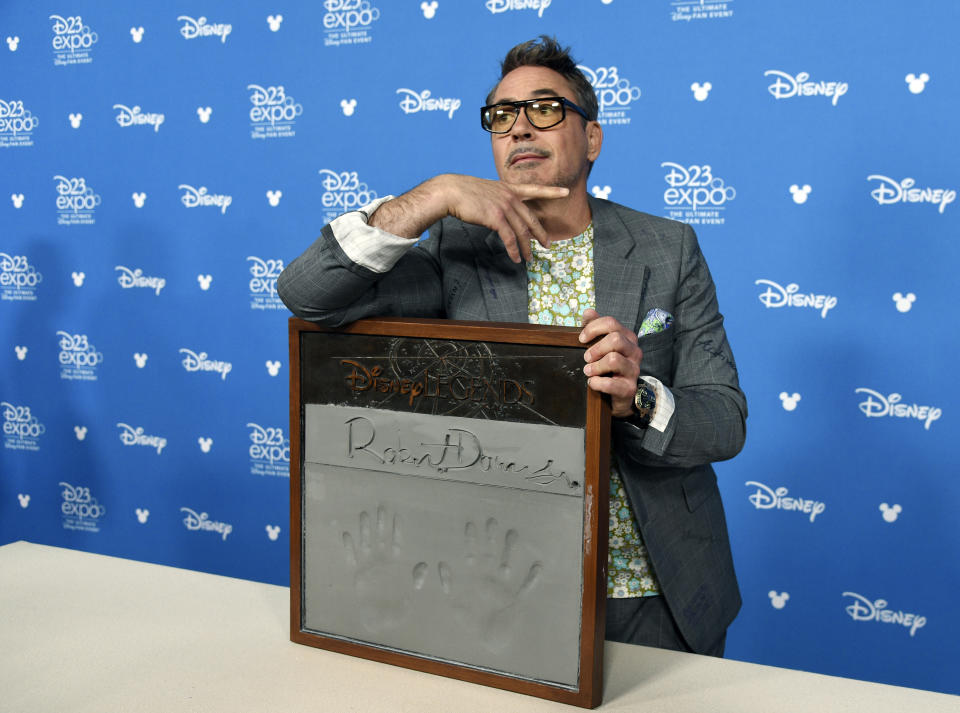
x=462 y=271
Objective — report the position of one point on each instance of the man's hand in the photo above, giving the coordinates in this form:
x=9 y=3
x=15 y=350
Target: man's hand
x=613 y=363
x=494 y=204
x=500 y=207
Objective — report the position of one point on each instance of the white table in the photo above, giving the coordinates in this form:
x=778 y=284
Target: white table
x=82 y=632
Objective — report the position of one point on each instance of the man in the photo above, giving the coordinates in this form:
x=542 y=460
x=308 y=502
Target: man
x=534 y=246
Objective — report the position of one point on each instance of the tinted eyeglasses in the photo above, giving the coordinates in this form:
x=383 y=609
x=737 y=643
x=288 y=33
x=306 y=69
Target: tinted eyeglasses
x=542 y=113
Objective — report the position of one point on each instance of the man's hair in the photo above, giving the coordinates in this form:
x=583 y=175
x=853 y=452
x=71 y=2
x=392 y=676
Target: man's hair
x=547 y=52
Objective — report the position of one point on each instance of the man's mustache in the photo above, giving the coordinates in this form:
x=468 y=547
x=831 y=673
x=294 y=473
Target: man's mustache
x=535 y=150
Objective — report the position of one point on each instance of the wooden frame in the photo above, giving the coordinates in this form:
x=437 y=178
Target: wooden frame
x=587 y=692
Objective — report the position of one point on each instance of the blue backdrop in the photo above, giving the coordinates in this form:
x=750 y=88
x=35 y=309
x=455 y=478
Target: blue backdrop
x=161 y=162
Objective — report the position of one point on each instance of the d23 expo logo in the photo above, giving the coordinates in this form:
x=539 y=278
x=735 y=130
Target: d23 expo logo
x=79 y=509
x=17 y=124
x=21 y=429
x=76 y=201
x=263 y=283
x=79 y=359
x=18 y=278
x=348 y=22
x=695 y=195
x=342 y=193
x=615 y=94
x=273 y=112
x=269 y=451
x=72 y=40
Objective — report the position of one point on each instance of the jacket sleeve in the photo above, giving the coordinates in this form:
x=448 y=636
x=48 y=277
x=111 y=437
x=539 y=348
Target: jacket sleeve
x=709 y=423
x=324 y=285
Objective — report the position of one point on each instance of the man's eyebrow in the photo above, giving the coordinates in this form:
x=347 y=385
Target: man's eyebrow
x=547 y=92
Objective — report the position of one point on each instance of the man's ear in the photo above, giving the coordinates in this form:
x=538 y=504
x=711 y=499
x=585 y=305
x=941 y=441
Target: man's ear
x=594 y=140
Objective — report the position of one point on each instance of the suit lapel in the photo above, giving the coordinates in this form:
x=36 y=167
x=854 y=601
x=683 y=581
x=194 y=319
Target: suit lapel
x=620 y=278
x=503 y=282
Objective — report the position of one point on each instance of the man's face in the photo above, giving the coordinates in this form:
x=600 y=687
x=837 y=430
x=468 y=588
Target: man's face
x=558 y=156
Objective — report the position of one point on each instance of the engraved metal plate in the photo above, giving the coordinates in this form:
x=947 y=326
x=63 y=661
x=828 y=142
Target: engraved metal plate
x=447 y=503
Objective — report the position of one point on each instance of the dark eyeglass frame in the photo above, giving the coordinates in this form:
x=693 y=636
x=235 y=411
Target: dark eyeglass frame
x=525 y=104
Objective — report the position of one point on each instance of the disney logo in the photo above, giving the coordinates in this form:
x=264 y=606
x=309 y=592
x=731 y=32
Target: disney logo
x=194 y=197
x=877 y=405
x=777 y=296
x=135 y=278
x=497 y=6
x=786 y=86
x=202 y=521
x=199 y=362
x=200 y=28
x=862 y=609
x=412 y=102
x=134 y=116
x=890 y=191
x=766 y=498
x=131 y=436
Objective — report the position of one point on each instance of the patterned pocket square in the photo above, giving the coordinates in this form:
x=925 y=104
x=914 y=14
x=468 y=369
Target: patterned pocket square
x=657 y=320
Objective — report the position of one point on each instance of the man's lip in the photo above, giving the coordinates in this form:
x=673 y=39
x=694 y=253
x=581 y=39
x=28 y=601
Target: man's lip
x=524 y=156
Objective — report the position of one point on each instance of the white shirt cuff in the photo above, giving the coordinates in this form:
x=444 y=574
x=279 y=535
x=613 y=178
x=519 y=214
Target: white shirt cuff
x=666 y=404
x=370 y=247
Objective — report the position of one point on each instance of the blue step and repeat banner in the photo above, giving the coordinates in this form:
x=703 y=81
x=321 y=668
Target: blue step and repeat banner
x=161 y=162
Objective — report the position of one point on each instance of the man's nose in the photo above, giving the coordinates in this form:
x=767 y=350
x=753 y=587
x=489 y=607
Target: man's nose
x=522 y=128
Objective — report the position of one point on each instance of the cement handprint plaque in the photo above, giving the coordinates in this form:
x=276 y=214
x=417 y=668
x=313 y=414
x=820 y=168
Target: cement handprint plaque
x=446 y=501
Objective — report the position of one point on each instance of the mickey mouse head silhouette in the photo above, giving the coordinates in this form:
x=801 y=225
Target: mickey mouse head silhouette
x=701 y=91
x=139 y=198
x=904 y=302
x=273 y=367
x=204 y=113
x=75 y=120
x=78 y=278
x=24 y=500
x=800 y=194
x=140 y=359
x=21 y=352
x=136 y=33
x=890 y=513
x=80 y=431
x=17 y=199
x=205 y=444
x=274 y=22
x=778 y=601
x=348 y=106
x=917 y=84
x=273 y=531
x=13 y=43
x=429 y=9
x=789 y=400
x=599 y=192
x=274 y=197
x=142 y=515
x=204 y=281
